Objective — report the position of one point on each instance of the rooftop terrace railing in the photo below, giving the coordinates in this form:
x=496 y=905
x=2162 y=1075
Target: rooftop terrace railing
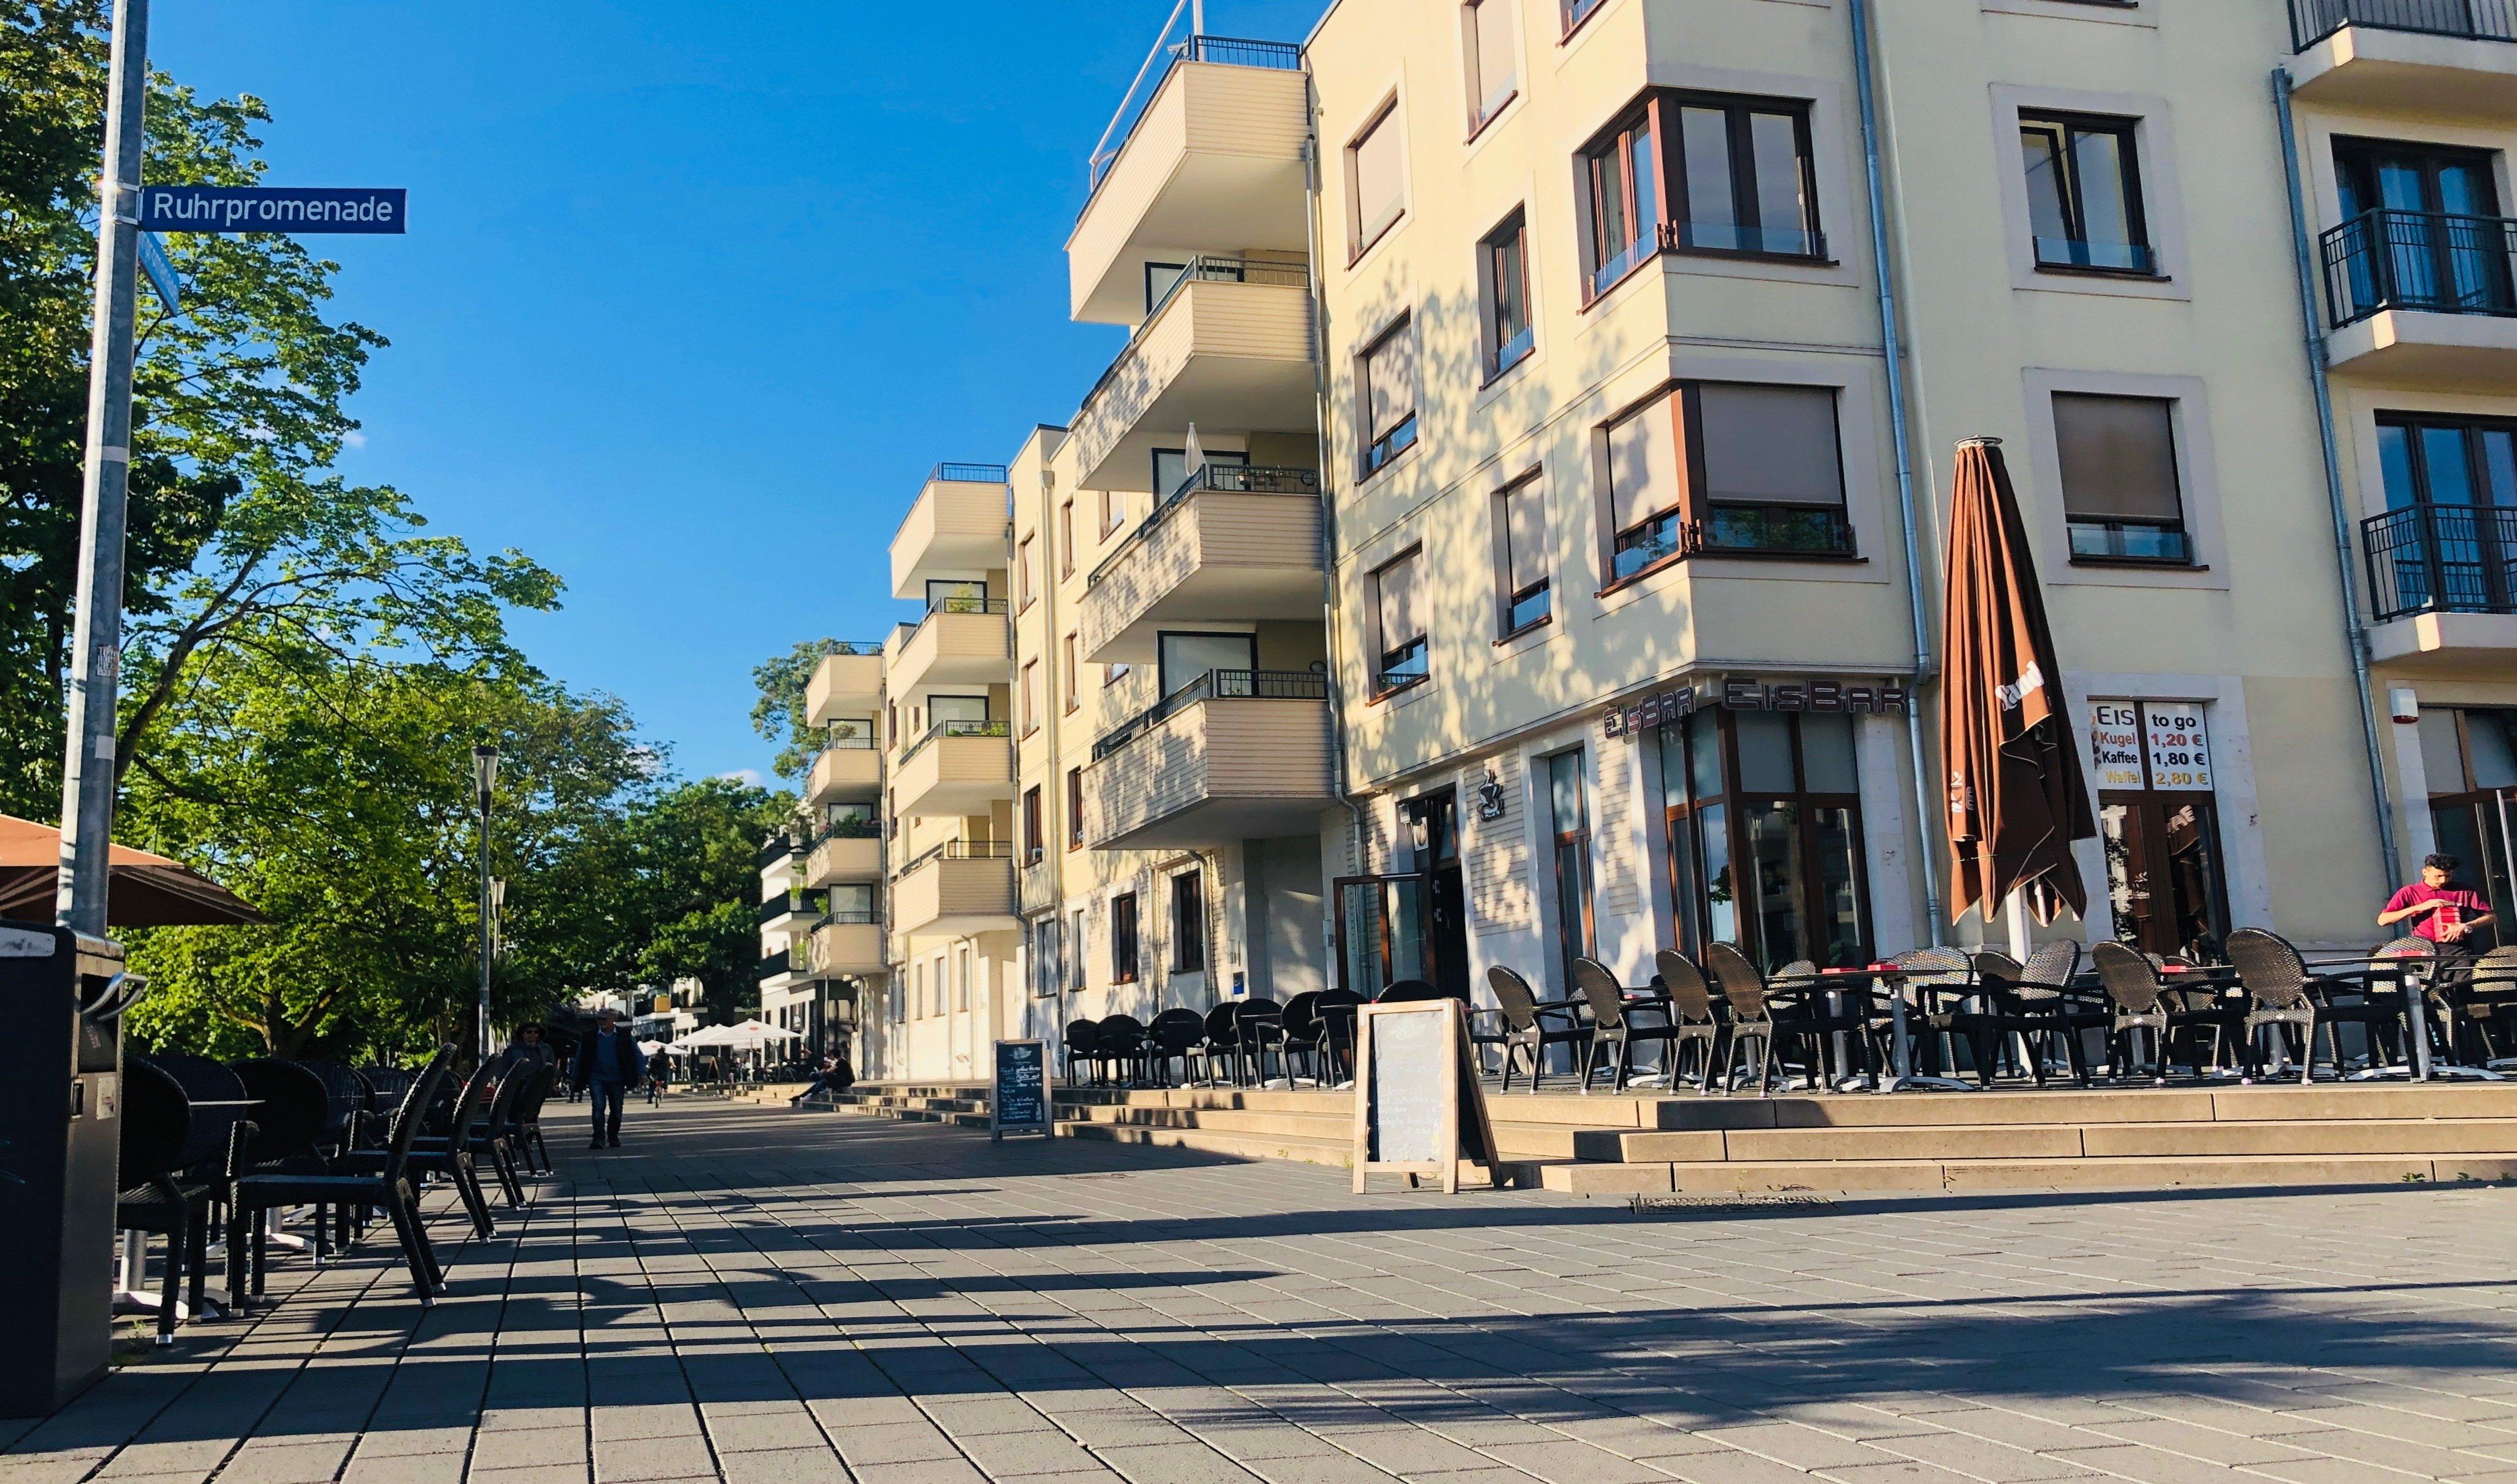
x=968 y=474
x=1170 y=49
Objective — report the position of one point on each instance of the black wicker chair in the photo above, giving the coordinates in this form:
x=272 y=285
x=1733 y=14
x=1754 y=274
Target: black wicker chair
x=388 y=1187
x=1694 y=1018
x=1532 y=1025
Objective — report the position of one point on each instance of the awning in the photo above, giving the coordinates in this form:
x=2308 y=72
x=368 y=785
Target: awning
x=144 y=891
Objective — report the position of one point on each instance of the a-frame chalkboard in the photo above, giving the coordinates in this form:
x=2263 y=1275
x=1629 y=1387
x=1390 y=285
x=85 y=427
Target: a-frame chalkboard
x=1419 y=1109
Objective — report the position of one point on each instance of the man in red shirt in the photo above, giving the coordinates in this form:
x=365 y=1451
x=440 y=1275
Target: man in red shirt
x=2442 y=909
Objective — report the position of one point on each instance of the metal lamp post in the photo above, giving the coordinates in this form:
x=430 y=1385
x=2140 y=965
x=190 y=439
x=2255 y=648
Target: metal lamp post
x=485 y=778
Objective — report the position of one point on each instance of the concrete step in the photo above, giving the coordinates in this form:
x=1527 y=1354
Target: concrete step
x=1856 y=1176
x=2057 y=1141
x=1512 y=1141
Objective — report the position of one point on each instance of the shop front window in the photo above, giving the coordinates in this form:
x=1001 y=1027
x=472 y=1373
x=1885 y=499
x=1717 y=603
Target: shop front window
x=2471 y=759
x=1575 y=934
x=1763 y=820
x=2159 y=820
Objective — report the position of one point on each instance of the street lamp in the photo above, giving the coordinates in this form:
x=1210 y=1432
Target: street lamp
x=485 y=778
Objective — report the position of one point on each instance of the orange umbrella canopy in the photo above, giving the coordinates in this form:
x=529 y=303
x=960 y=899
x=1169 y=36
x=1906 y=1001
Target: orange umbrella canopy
x=2017 y=799
x=146 y=890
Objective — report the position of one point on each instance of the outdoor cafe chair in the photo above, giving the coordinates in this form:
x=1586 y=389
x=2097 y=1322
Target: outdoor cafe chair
x=1532 y=1025
x=1118 y=1049
x=1259 y=1025
x=1694 y=1017
x=2480 y=1006
x=2138 y=1001
x=448 y=1152
x=1617 y=1021
x=1076 y=1045
x=525 y=1121
x=2032 y=1002
x=1337 y=1011
x=1304 y=1032
x=182 y=1136
x=1173 y=1037
x=1941 y=984
x=387 y=1185
x=2286 y=995
x=1752 y=1015
x=1223 y=1042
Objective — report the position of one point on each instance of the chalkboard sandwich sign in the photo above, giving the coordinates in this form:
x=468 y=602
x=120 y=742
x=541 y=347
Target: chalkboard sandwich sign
x=1018 y=1090
x=1419 y=1109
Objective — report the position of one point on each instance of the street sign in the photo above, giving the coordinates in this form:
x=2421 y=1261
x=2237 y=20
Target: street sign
x=161 y=273
x=271 y=208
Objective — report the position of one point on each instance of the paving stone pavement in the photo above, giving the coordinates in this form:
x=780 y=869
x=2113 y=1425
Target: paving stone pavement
x=757 y=1296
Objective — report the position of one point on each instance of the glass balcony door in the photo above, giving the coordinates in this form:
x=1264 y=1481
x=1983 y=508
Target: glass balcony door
x=2433 y=238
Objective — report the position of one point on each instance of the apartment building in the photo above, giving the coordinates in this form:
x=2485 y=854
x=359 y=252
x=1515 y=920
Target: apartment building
x=821 y=880
x=1551 y=334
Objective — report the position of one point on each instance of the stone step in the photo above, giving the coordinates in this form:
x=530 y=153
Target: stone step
x=1856 y=1176
x=2057 y=1141
x=1513 y=1141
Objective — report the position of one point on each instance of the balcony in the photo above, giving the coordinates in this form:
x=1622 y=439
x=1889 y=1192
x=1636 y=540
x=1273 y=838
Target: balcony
x=955 y=890
x=2443 y=587
x=1214 y=159
x=1233 y=756
x=958 y=768
x=2435 y=57
x=1228 y=345
x=850 y=945
x=777 y=915
x=959 y=528
x=846 y=686
x=963 y=646
x=847 y=856
x=850 y=769
x=2419 y=295
x=774 y=970
x=1231 y=544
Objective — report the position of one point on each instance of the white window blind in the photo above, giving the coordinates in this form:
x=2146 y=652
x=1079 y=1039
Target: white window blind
x=1524 y=537
x=1378 y=190
x=2119 y=457
x=1771 y=445
x=1494 y=72
x=1644 y=470
x=1402 y=602
x=1390 y=380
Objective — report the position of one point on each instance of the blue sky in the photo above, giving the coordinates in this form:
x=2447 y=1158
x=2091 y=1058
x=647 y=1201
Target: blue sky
x=695 y=294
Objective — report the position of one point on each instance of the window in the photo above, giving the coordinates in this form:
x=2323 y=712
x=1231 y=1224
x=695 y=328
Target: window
x=1066 y=675
x=1743 y=181
x=1188 y=923
x=961 y=978
x=1520 y=524
x=1030 y=696
x=1398 y=611
x=956 y=595
x=1184 y=659
x=2421 y=230
x=1646 y=485
x=1386 y=373
x=1619 y=177
x=1123 y=937
x=2119 y=484
x=1022 y=574
x=1494 y=78
x=2084 y=193
x=1066 y=539
x=2471 y=759
x=1575 y=932
x=1075 y=809
x=1724 y=468
x=1503 y=273
x=1076 y=940
x=1576 y=12
x=1375 y=171
x=1032 y=845
x=1113 y=511
x=917 y=990
x=1172 y=467
x=1763 y=811
x=2448 y=540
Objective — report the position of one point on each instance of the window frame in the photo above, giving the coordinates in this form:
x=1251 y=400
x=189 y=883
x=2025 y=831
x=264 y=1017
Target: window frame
x=1421 y=646
x=1379 y=449
x=2072 y=199
x=2182 y=527
x=1499 y=354
x=1066 y=537
x=1691 y=919
x=1509 y=622
x=1026 y=589
x=1066 y=677
x=1696 y=512
x=1362 y=236
x=1073 y=809
x=1738 y=111
x=1034 y=848
x=1029 y=692
x=1481 y=96
x=1126 y=939
x=1617 y=142
x=1188 y=922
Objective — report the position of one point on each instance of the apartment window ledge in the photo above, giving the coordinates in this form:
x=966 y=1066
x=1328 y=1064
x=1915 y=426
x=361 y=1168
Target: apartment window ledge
x=1742 y=255
x=1719 y=554
x=1498 y=373
x=2140 y=563
x=1377 y=697
x=1367 y=475
x=1026 y=606
x=1363 y=250
x=1580 y=22
x=1525 y=630
x=1601 y=291
x=1497 y=112
x=2120 y=275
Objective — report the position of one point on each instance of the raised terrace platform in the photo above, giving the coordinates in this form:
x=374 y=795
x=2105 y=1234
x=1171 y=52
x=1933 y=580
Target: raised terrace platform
x=2150 y=1138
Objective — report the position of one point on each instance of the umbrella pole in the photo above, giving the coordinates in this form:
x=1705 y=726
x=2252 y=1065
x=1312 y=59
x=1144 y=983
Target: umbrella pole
x=2021 y=941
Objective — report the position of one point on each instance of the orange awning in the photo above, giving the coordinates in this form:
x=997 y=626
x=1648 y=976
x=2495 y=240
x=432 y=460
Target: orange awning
x=147 y=890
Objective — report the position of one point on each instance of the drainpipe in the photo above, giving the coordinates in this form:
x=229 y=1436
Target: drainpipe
x=1927 y=796
x=1328 y=504
x=2319 y=376
x=1053 y=852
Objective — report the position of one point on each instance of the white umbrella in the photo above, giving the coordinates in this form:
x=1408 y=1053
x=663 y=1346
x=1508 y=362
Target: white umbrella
x=649 y=1047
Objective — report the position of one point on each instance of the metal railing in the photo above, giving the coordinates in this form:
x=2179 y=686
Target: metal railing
x=781 y=907
x=2421 y=260
x=850 y=742
x=1205 y=268
x=1218 y=685
x=2312 y=20
x=1774 y=530
x=1226 y=479
x=968 y=474
x=1230 y=51
x=909 y=632
x=776 y=848
x=850 y=829
x=955 y=729
x=2454 y=559
x=961 y=850
x=851 y=917
x=771 y=965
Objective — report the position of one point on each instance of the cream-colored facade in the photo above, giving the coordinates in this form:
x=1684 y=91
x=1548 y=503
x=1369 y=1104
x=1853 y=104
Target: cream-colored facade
x=1557 y=325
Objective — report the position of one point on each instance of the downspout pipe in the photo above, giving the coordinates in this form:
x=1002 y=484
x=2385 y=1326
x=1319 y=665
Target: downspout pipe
x=1927 y=797
x=2319 y=375
x=1328 y=503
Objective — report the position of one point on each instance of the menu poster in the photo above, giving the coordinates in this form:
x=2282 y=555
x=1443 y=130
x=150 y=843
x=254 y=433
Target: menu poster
x=2114 y=743
x=2180 y=748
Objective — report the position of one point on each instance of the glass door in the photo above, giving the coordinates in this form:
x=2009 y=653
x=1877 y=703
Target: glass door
x=1188 y=658
x=2436 y=237
x=1380 y=924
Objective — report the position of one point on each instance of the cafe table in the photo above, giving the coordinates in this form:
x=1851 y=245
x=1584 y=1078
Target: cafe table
x=1883 y=980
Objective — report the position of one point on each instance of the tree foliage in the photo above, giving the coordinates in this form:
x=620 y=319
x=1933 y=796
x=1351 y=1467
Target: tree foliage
x=780 y=714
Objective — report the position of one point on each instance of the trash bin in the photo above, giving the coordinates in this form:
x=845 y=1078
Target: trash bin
x=61 y=997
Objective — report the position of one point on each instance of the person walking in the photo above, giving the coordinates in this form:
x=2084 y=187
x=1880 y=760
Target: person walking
x=2446 y=912
x=525 y=1048
x=608 y=1067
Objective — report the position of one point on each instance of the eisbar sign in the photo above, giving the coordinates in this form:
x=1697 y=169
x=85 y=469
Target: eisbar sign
x=271 y=208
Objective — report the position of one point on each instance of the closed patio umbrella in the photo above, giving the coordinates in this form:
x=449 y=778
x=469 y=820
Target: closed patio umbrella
x=144 y=890
x=2016 y=796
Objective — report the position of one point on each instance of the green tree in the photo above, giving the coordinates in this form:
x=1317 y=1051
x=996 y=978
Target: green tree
x=780 y=714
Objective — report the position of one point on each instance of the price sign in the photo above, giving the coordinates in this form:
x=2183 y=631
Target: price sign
x=2180 y=746
x=2114 y=743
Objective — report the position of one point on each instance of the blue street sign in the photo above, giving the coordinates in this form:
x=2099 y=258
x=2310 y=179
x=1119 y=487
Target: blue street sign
x=270 y=208
x=161 y=273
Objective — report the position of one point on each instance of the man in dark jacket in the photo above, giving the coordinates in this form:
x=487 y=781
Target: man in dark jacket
x=608 y=1067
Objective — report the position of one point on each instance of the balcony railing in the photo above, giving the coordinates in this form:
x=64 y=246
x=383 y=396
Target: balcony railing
x=908 y=631
x=1218 y=685
x=2312 y=20
x=1168 y=54
x=961 y=850
x=2419 y=260
x=851 y=917
x=2454 y=559
x=955 y=729
x=1229 y=478
x=1205 y=268
x=771 y=965
x=1804 y=531
x=779 y=906
x=776 y=848
x=968 y=474
x=850 y=829
x=858 y=737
